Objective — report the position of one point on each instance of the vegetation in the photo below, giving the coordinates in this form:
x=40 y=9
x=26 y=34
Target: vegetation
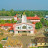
x=44 y=22
x=7 y=21
x=4 y=39
x=46 y=34
x=12 y=12
x=1 y=46
x=38 y=25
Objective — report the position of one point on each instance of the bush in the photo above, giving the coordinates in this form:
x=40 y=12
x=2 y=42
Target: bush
x=4 y=39
x=1 y=46
x=38 y=25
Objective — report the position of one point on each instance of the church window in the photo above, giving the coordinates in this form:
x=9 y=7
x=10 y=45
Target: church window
x=18 y=31
x=24 y=27
x=29 y=27
x=29 y=31
x=18 y=27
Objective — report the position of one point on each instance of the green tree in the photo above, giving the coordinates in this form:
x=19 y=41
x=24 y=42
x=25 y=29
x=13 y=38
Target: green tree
x=2 y=21
x=9 y=21
x=38 y=25
x=12 y=12
x=1 y=46
x=46 y=23
x=8 y=13
x=46 y=34
x=3 y=9
x=12 y=21
x=42 y=20
x=15 y=21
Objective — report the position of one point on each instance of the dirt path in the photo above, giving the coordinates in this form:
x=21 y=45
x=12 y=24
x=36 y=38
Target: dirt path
x=24 y=39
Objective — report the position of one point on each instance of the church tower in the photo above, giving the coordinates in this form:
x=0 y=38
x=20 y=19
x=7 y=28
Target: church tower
x=15 y=17
x=24 y=19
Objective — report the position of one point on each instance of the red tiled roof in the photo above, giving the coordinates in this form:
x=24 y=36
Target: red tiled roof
x=18 y=19
x=15 y=15
x=11 y=28
x=6 y=24
x=1 y=24
x=34 y=22
x=32 y=18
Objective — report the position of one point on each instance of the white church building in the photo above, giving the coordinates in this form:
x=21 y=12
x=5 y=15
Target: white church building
x=24 y=26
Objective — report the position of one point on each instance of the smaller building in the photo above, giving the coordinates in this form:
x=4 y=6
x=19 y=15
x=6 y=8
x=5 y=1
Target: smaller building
x=46 y=17
x=34 y=19
x=46 y=30
x=7 y=26
x=41 y=41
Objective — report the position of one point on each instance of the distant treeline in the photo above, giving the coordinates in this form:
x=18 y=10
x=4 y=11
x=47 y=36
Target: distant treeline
x=12 y=12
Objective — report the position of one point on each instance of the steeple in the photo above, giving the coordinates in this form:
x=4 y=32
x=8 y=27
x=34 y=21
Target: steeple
x=24 y=19
x=15 y=17
x=23 y=13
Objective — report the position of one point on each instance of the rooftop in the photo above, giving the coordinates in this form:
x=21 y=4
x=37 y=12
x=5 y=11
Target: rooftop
x=32 y=18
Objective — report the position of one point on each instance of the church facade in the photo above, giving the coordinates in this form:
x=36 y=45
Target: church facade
x=24 y=26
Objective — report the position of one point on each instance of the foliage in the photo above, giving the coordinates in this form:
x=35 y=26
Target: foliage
x=2 y=21
x=46 y=34
x=38 y=25
x=1 y=46
x=44 y=22
x=12 y=21
x=7 y=21
x=12 y=12
x=23 y=13
x=4 y=38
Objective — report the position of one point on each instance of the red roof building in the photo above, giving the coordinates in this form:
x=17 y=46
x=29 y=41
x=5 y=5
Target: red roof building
x=33 y=18
x=11 y=28
x=6 y=24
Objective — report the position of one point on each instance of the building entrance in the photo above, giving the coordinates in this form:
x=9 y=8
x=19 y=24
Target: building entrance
x=23 y=31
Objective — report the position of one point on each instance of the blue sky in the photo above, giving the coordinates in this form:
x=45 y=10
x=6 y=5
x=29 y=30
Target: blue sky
x=24 y=4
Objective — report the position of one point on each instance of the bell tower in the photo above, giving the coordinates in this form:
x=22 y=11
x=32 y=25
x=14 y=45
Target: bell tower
x=15 y=17
x=24 y=19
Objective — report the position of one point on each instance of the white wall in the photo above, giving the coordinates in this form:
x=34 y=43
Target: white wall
x=24 y=19
x=20 y=27
x=15 y=18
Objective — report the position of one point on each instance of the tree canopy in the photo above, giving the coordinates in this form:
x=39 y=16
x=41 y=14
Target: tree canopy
x=44 y=22
x=12 y=12
x=38 y=25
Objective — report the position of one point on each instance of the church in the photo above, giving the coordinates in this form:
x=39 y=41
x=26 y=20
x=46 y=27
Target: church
x=24 y=26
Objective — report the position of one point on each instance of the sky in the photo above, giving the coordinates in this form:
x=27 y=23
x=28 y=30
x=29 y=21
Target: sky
x=24 y=4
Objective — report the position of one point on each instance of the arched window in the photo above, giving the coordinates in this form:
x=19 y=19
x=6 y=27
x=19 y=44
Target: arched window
x=18 y=27
x=24 y=27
